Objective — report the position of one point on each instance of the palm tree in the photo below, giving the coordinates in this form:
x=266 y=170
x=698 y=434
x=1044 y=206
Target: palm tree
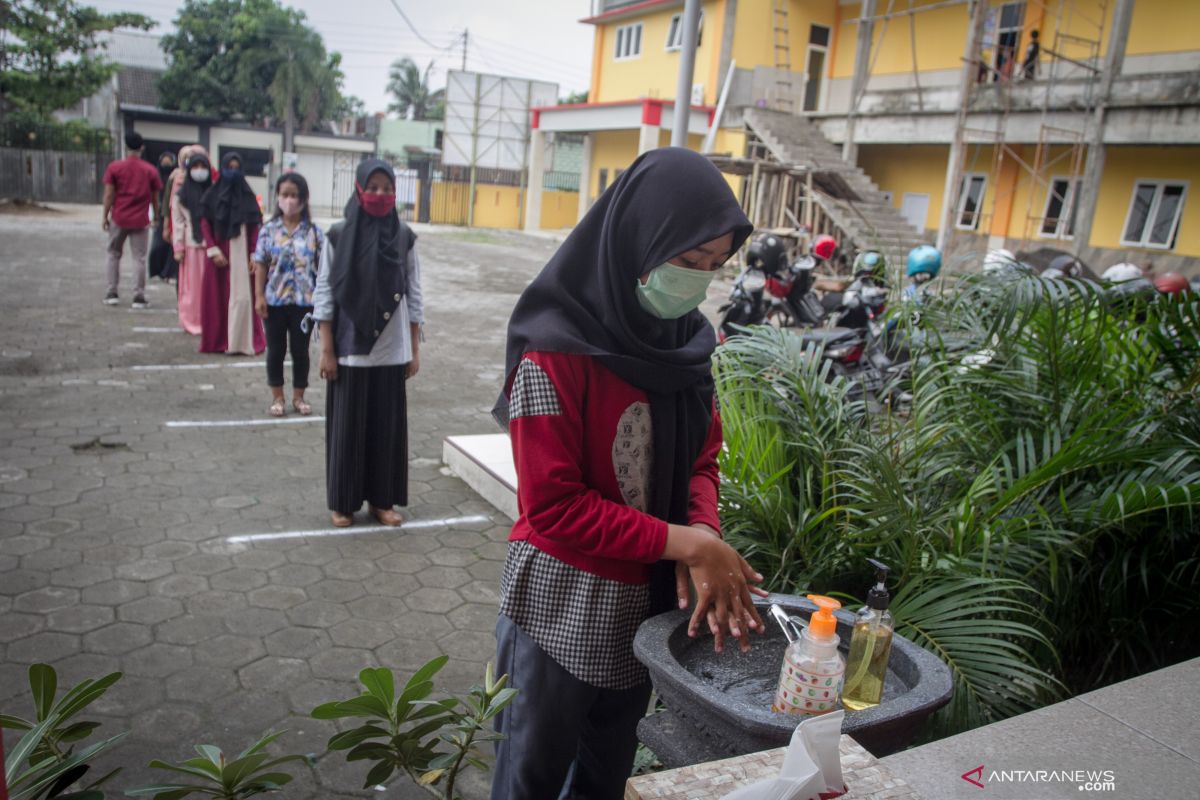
x=412 y=93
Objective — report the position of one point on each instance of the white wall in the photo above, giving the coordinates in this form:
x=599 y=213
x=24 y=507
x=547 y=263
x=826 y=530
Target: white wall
x=317 y=168
x=168 y=131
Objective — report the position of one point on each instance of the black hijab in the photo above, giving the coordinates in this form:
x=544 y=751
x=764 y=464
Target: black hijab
x=669 y=201
x=229 y=204
x=192 y=193
x=368 y=251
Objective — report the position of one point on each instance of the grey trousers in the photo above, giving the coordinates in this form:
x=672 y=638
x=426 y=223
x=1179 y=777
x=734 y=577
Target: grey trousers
x=565 y=738
x=139 y=241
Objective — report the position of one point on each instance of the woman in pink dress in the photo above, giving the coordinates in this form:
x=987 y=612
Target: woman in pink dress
x=191 y=182
x=230 y=226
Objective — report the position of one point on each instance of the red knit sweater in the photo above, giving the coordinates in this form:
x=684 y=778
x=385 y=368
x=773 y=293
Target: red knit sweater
x=581 y=443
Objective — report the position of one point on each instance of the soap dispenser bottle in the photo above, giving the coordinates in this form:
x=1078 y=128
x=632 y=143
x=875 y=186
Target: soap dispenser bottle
x=870 y=646
x=811 y=677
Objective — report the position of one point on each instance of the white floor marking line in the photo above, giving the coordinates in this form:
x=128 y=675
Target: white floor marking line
x=230 y=365
x=143 y=329
x=417 y=524
x=238 y=423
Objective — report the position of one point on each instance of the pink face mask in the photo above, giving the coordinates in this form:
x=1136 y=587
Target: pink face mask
x=377 y=205
x=290 y=206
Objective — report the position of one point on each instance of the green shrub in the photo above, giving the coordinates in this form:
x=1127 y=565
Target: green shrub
x=1037 y=510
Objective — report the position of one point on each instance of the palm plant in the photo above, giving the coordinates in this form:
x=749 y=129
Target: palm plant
x=413 y=95
x=1033 y=508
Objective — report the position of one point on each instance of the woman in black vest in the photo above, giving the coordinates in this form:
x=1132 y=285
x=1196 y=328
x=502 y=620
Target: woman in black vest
x=369 y=307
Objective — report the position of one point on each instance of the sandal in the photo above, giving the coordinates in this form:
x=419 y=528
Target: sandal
x=387 y=516
x=277 y=409
x=302 y=407
x=341 y=520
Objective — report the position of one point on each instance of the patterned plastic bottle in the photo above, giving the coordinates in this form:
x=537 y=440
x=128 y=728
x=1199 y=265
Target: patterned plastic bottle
x=810 y=680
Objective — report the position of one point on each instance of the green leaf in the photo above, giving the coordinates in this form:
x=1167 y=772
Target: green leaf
x=25 y=747
x=212 y=753
x=235 y=772
x=15 y=723
x=378 y=774
x=331 y=710
x=195 y=767
x=77 y=731
x=347 y=739
x=425 y=673
x=43 y=682
x=380 y=683
x=84 y=694
x=267 y=739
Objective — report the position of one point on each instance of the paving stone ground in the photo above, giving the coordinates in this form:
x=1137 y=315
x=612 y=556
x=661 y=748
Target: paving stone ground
x=118 y=532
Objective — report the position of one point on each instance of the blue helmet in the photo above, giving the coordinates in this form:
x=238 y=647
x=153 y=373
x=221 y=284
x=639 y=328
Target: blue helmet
x=924 y=258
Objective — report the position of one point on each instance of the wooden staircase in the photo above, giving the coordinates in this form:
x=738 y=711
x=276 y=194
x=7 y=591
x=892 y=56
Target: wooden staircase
x=844 y=192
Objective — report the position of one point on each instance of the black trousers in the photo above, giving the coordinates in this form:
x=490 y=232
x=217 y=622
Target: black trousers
x=366 y=438
x=566 y=739
x=283 y=324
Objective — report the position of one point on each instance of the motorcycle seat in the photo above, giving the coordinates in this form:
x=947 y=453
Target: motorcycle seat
x=830 y=336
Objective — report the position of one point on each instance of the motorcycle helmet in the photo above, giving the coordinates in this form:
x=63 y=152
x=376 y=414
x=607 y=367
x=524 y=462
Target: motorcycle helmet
x=1171 y=283
x=924 y=260
x=1120 y=273
x=824 y=247
x=870 y=263
x=1066 y=266
x=768 y=253
x=999 y=260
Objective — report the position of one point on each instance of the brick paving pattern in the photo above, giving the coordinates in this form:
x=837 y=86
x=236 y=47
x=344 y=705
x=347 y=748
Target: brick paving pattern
x=118 y=533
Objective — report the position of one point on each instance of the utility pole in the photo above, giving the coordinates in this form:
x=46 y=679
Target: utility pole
x=687 y=65
x=977 y=11
x=1093 y=171
x=862 y=73
x=466 y=33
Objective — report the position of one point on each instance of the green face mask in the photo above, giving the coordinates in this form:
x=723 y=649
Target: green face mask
x=671 y=291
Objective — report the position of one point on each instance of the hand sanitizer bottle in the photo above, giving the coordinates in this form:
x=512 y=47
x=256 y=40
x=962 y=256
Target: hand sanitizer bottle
x=870 y=646
x=810 y=680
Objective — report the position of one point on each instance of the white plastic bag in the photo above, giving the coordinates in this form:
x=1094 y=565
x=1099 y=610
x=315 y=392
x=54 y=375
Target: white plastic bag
x=812 y=765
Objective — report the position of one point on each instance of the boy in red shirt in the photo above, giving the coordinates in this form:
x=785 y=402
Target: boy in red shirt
x=130 y=186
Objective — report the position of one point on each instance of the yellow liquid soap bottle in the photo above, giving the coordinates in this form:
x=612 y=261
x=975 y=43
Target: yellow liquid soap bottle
x=870 y=646
x=810 y=679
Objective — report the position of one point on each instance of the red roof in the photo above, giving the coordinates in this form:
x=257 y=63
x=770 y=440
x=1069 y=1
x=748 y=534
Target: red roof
x=627 y=11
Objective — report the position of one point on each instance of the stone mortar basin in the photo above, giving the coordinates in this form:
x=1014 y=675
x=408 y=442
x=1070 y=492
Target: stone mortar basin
x=719 y=704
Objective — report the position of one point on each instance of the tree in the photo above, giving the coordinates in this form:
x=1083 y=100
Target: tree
x=51 y=56
x=573 y=98
x=411 y=91
x=225 y=53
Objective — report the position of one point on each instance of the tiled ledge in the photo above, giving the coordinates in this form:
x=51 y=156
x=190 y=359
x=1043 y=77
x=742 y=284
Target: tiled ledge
x=1146 y=730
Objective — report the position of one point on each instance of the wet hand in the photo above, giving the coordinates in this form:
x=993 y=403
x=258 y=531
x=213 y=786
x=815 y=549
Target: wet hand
x=724 y=597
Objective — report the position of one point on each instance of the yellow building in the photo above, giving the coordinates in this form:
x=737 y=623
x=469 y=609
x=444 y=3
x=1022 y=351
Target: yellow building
x=972 y=129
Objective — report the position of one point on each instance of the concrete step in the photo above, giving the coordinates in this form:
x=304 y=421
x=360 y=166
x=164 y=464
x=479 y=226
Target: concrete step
x=485 y=463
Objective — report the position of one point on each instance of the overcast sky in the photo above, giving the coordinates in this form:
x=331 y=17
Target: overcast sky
x=540 y=39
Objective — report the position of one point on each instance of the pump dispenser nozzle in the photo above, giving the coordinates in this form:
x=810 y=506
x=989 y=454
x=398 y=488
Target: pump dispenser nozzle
x=823 y=622
x=878 y=596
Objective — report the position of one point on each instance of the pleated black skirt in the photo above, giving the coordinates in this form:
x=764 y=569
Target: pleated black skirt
x=366 y=438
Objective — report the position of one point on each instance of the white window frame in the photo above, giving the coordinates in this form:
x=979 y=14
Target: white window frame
x=627 y=36
x=1068 y=208
x=1159 y=186
x=675 y=33
x=961 y=206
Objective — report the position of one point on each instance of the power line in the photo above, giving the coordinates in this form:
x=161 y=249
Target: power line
x=413 y=28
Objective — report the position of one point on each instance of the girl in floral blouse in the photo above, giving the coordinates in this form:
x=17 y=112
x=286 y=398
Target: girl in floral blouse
x=286 y=260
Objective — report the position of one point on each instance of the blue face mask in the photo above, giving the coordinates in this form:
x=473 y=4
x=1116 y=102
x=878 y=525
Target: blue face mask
x=232 y=174
x=670 y=291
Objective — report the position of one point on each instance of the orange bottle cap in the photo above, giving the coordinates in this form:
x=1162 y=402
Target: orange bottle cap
x=823 y=622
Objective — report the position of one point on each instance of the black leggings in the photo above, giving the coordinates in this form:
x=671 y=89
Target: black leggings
x=282 y=324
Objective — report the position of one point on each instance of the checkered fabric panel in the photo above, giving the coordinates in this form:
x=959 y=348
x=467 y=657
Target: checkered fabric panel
x=533 y=393
x=584 y=622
